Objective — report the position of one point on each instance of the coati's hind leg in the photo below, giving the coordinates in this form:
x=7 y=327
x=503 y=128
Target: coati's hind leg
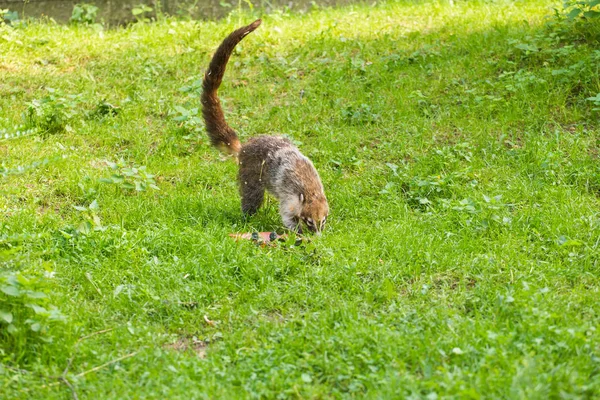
x=252 y=198
x=252 y=192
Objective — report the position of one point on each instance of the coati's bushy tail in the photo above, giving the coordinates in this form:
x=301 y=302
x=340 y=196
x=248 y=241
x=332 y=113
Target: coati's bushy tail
x=221 y=135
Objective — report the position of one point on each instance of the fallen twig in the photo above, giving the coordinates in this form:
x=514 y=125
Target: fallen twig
x=63 y=379
x=66 y=382
x=75 y=347
x=99 y=367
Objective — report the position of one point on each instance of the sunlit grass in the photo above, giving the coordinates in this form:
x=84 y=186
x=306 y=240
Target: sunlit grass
x=459 y=155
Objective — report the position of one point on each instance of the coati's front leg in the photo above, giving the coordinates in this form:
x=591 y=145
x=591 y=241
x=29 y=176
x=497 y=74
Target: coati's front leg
x=289 y=217
x=252 y=191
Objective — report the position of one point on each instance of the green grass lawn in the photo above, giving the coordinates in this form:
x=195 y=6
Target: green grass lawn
x=459 y=151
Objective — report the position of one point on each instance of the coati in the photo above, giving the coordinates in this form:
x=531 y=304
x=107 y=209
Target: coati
x=265 y=162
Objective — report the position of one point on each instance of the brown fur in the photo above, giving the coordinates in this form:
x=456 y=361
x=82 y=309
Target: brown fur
x=270 y=163
x=220 y=133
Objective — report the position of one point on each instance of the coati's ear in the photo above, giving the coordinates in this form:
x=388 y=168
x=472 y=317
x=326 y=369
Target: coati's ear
x=301 y=198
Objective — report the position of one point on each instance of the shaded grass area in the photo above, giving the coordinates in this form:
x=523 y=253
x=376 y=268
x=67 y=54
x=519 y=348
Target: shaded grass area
x=460 y=158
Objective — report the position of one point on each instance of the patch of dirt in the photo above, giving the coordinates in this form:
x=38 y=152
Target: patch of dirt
x=594 y=151
x=9 y=67
x=453 y=282
x=184 y=344
x=513 y=143
x=275 y=316
x=98 y=164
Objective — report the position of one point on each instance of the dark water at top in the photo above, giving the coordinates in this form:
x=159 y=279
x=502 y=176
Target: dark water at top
x=116 y=12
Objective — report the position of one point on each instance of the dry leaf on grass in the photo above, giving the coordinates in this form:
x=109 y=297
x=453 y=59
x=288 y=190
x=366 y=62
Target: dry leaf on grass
x=209 y=322
x=184 y=344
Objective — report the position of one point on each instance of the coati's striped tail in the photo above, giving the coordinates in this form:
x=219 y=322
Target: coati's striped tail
x=221 y=135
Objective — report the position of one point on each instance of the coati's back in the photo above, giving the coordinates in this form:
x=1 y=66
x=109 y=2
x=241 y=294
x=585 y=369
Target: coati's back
x=266 y=162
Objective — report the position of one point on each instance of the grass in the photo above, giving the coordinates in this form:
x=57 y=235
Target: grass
x=459 y=153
